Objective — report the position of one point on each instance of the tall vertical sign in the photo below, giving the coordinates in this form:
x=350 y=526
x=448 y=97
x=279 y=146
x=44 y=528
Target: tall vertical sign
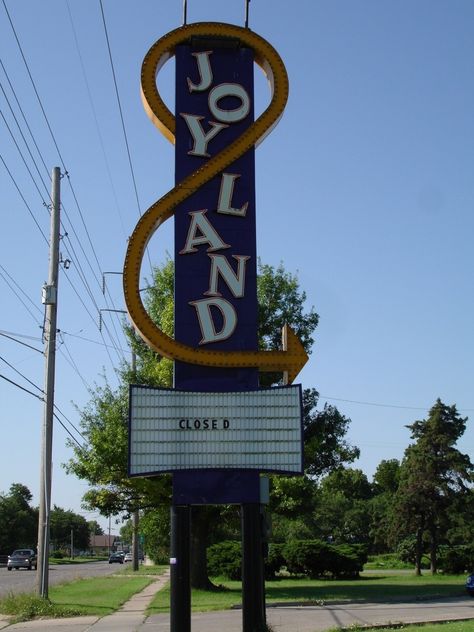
x=215 y=234
x=215 y=239
x=215 y=351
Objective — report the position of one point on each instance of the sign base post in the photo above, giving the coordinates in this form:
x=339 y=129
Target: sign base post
x=180 y=598
x=253 y=583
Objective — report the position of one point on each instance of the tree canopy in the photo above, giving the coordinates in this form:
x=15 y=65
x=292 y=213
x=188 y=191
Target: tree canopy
x=103 y=461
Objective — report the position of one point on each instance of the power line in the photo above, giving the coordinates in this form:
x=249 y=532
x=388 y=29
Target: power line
x=65 y=172
x=132 y=172
x=96 y=121
x=5 y=335
x=363 y=403
x=21 y=375
x=25 y=120
x=95 y=342
x=20 y=289
x=21 y=387
x=23 y=198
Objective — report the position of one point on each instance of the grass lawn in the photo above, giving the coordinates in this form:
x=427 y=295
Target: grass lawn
x=126 y=569
x=455 y=626
x=379 y=587
x=93 y=596
x=98 y=595
x=76 y=560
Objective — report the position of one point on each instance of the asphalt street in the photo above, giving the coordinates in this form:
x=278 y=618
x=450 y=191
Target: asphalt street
x=22 y=580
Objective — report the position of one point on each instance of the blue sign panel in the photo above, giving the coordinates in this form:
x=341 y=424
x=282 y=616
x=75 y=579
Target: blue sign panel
x=215 y=241
x=215 y=236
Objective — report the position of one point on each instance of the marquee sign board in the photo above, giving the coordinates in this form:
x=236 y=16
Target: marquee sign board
x=171 y=430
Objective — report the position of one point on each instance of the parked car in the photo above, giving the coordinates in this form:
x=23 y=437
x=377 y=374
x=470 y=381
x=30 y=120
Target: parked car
x=22 y=558
x=128 y=557
x=470 y=585
x=116 y=558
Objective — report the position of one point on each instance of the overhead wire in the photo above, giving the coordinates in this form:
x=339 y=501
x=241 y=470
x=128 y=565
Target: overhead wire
x=70 y=360
x=24 y=200
x=75 y=257
x=67 y=175
x=21 y=375
x=364 y=403
x=10 y=281
x=21 y=387
x=5 y=335
x=40 y=397
x=24 y=118
x=124 y=130
x=96 y=121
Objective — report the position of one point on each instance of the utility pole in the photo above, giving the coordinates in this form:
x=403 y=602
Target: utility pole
x=50 y=300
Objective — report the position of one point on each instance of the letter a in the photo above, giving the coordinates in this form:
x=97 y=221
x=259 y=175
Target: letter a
x=208 y=234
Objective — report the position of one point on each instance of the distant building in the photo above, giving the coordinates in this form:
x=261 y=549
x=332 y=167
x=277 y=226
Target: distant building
x=102 y=544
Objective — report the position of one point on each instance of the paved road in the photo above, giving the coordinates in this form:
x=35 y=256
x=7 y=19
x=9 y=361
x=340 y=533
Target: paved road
x=24 y=580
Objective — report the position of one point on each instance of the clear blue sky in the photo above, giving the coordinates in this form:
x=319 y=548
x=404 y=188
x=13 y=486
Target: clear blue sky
x=365 y=189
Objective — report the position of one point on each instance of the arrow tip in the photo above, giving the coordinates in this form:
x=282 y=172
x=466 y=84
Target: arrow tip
x=295 y=354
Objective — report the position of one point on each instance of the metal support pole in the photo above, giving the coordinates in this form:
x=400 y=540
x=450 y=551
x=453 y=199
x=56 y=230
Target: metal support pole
x=50 y=296
x=253 y=584
x=247 y=2
x=180 y=598
x=135 y=521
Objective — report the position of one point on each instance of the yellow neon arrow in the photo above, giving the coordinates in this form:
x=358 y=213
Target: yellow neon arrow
x=293 y=356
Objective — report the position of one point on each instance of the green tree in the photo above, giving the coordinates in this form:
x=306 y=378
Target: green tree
x=387 y=476
x=434 y=475
x=325 y=449
x=104 y=421
x=18 y=519
x=95 y=528
x=342 y=506
x=385 y=485
x=63 y=524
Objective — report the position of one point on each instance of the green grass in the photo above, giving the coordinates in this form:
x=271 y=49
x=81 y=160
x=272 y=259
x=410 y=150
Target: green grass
x=76 y=560
x=126 y=569
x=452 y=626
x=386 y=561
x=380 y=587
x=93 y=596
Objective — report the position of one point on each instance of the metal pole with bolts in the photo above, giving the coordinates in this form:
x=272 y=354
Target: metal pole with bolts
x=50 y=300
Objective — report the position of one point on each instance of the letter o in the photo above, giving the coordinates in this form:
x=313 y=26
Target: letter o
x=229 y=90
x=197 y=424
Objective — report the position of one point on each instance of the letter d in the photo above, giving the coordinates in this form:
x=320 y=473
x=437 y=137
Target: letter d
x=206 y=322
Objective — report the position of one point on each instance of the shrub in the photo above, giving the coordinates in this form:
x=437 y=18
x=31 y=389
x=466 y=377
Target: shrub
x=349 y=560
x=318 y=559
x=456 y=559
x=274 y=561
x=306 y=557
x=225 y=559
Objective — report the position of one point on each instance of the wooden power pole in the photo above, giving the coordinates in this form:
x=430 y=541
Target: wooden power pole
x=50 y=300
